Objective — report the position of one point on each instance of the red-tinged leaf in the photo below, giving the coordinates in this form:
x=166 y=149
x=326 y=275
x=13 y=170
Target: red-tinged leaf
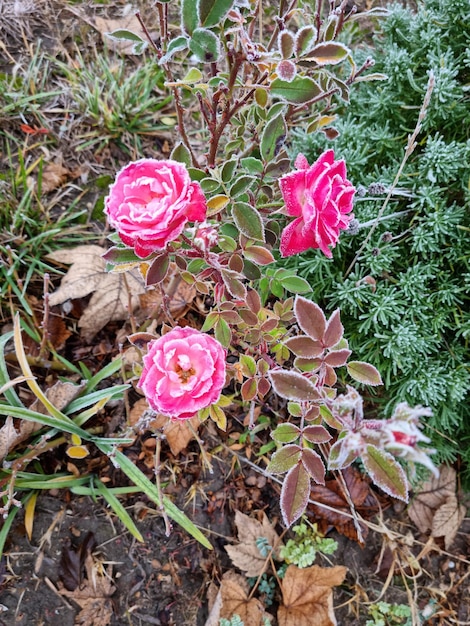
x=314 y=465
x=286 y=70
x=313 y=414
x=248 y=317
x=157 y=272
x=294 y=494
x=293 y=386
x=334 y=330
x=273 y=137
x=328 y=53
x=249 y=389
x=337 y=358
x=304 y=346
x=284 y=459
x=310 y=318
x=286 y=433
x=253 y=301
x=234 y=286
x=341 y=455
x=263 y=386
x=386 y=472
x=231 y=317
x=364 y=373
x=285 y=43
x=316 y=434
x=330 y=376
x=258 y=255
x=223 y=334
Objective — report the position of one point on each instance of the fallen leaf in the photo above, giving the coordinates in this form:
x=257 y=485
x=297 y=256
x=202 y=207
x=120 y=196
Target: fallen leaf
x=93 y=596
x=246 y=554
x=53 y=176
x=178 y=433
x=233 y=600
x=307 y=595
x=60 y=394
x=72 y=562
x=11 y=437
x=181 y=296
x=447 y=520
x=113 y=293
x=432 y=495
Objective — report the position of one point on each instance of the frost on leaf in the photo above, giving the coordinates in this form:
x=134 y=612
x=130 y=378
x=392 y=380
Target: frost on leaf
x=294 y=494
x=386 y=472
x=310 y=318
x=307 y=596
x=293 y=386
x=112 y=292
x=246 y=555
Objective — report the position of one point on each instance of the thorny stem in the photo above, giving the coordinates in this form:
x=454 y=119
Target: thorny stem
x=175 y=90
x=410 y=146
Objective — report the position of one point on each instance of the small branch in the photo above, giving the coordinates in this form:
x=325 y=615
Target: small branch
x=410 y=146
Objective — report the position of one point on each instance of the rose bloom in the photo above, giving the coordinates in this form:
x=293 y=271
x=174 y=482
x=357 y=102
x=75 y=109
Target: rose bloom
x=184 y=371
x=321 y=198
x=150 y=203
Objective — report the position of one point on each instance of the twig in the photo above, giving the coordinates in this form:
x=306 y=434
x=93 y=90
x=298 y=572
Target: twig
x=410 y=146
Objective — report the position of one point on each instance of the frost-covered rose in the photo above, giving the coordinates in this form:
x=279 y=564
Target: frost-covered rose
x=150 y=203
x=184 y=371
x=321 y=198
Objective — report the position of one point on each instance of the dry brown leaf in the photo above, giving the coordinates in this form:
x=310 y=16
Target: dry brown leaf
x=54 y=175
x=11 y=437
x=234 y=596
x=113 y=293
x=447 y=520
x=431 y=496
x=246 y=555
x=93 y=597
x=60 y=394
x=181 y=297
x=178 y=433
x=307 y=595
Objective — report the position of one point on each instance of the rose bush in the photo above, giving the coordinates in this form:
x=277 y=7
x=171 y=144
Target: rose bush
x=321 y=198
x=184 y=371
x=150 y=203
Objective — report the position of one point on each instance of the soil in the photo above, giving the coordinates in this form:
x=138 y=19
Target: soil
x=165 y=581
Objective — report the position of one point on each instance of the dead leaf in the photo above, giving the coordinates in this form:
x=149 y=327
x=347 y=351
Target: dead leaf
x=178 y=433
x=93 y=596
x=11 y=437
x=431 y=496
x=307 y=595
x=447 y=520
x=113 y=293
x=72 y=562
x=232 y=599
x=53 y=176
x=60 y=394
x=181 y=296
x=246 y=554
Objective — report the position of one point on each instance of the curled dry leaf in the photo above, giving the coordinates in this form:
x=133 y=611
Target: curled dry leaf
x=246 y=555
x=113 y=293
x=307 y=596
x=232 y=599
x=11 y=437
x=447 y=520
x=432 y=494
x=178 y=433
x=54 y=176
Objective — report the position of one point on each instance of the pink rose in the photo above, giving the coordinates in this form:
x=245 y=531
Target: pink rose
x=320 y=197
x=150 y=202
x=184 y=371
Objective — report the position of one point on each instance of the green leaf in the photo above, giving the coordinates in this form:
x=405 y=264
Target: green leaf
x=212 y=12
x=181 y=154
x=293 y=386
x=364 y=373
x=252 y=165
x=118 y=509
x=248 y=221
x=176 y=45
x=241 y=184
x=151 y=491
x=284 y=459
x=247 y=365
x=273 y=137
x=328 y=53
x=205 y=45
x=300 y=91
x=189 y=15
x=123 y=34
x=223 y=334
x=118 y=255
x=386 y=472
x=193 y=77
x=286 y=433
x=295 y=284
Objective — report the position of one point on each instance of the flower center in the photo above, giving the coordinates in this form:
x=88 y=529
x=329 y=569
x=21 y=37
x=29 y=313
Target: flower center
x=403 y=438
x=184 y=369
